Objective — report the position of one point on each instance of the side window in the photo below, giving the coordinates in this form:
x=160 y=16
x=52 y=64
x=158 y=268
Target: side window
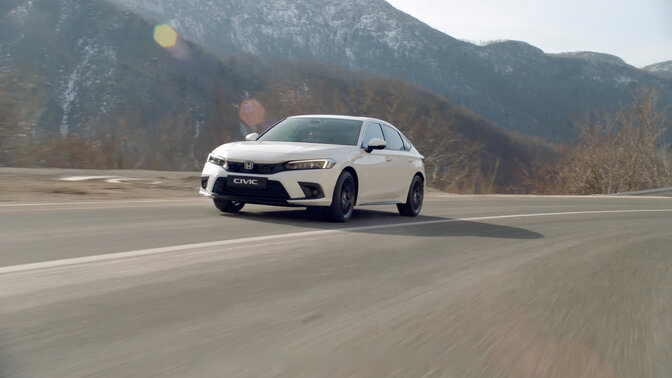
x=407 y=144
x=372 y=131
x=393 y=139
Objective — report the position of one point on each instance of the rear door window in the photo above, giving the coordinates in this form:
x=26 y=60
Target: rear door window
x=393 y=139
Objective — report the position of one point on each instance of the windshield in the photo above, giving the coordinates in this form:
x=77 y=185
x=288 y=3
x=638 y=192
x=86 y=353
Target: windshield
x=315 y=130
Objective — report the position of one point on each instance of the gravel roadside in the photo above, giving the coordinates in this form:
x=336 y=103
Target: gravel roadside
x=37 y=185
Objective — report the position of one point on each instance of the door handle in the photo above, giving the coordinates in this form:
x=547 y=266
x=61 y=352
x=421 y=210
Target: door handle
x=388 y=158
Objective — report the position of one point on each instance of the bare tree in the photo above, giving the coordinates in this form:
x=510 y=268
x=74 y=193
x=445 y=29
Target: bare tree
x=623 y=151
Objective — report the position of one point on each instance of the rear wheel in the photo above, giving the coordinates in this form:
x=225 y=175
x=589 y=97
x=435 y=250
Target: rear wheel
x=414 y=198
x=227 y=206
x=343 y=200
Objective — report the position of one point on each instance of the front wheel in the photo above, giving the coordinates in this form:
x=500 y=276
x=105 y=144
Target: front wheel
x=413 y=203
x=343 y=200
x=227 y=206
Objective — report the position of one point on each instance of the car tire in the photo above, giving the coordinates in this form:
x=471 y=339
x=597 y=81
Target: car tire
x=227 y=206
x=416 y=193
x=343 y=199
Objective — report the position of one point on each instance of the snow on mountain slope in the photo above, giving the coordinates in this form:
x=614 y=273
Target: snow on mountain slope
x=663 y=69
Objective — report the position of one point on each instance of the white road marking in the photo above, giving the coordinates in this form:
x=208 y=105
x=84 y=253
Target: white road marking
x=110 y=179
x=294 y=235
x=86 y=178
x=564 y=196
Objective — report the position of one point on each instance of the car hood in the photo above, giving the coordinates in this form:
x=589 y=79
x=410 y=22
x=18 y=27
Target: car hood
x=279 y=152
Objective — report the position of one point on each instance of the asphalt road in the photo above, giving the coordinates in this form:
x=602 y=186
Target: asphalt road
x=481 y=286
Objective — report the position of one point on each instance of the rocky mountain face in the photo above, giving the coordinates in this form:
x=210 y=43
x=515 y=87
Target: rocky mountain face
x=82 y=58
x=511 y=83
x=89 y=70
x=663 y=69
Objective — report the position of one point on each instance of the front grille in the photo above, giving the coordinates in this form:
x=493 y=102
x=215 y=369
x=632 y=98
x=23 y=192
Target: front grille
x=262 y=169
x=274 y=191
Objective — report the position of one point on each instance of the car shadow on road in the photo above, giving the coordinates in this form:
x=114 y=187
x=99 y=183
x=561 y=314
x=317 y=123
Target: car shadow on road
x=390 y=223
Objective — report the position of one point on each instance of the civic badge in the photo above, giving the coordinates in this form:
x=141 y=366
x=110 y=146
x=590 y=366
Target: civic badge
x=248 y=165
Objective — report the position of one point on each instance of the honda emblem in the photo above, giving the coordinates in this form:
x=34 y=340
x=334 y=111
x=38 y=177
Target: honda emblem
x=248 y=165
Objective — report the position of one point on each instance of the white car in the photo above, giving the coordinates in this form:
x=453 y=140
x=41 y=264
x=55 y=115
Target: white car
x=324 y=162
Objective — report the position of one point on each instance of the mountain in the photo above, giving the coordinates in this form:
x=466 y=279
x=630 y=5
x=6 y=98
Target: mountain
x=663 y=69
x=514 y=84
x=83 y=84
x=90 y=72
x=594 y=57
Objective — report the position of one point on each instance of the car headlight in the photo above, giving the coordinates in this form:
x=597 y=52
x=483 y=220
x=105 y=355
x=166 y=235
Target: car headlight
x=311 y=164
x=214 y=159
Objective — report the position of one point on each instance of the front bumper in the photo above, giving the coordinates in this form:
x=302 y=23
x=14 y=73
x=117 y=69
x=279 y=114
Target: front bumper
x=284 y=188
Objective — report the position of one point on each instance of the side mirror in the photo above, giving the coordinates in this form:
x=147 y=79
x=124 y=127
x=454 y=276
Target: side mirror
x=376 y=144
x=252 y=137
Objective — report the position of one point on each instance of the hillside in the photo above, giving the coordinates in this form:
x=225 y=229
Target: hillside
x=663 y=69
x=511 y=83
x=76 y=71
x=84 y=85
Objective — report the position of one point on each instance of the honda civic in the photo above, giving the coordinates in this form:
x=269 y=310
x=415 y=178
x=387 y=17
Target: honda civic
x=321 y=162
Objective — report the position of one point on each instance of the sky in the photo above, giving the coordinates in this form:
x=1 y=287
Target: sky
x=638 y=31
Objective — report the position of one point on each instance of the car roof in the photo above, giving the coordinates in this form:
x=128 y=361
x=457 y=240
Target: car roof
x=333 y=116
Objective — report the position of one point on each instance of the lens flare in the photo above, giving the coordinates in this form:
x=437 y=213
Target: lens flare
x=165 y=36
x=252 y=112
